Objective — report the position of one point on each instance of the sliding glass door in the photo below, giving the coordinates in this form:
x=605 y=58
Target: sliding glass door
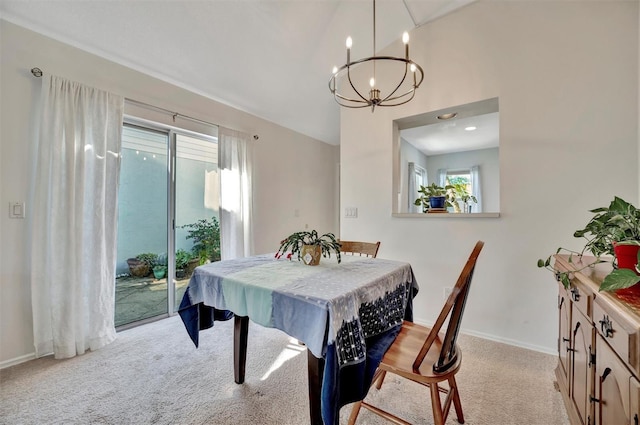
x=168 y=218
x=197 y=229
x=142 y=225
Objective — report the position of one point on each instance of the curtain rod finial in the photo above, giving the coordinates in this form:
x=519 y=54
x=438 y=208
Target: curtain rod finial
x=37 y=72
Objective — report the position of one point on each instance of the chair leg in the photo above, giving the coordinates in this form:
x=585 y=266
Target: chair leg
x=378 y=378
x=453 y=386
x=354 y=412
x=435 y=404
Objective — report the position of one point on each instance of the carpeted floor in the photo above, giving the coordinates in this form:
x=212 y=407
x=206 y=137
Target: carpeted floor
x=153 y=374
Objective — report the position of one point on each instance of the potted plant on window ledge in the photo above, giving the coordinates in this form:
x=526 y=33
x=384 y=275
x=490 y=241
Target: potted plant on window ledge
x=613 y=235
x=435 y=198
x=460 y=192
x=309 y=247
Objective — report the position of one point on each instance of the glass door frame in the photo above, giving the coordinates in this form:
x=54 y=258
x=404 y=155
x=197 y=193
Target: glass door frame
x=172 y=133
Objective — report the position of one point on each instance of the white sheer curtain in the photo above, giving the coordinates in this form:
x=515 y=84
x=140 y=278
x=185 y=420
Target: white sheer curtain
x=442 y=177
x=412 y=189
x=417 y=177
x=235 y=162
x=74 y=217
x=475 y=188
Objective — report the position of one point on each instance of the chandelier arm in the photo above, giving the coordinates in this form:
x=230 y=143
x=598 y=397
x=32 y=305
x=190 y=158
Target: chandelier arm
x=352 y=86
x=338 y=95
x=410 y=92
x=364 y=102
x=404 y=77
x=390 y=99
x=346 y=105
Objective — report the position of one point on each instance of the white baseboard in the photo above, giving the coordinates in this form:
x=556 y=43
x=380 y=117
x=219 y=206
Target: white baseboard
x=515 y=343
x=17 y=360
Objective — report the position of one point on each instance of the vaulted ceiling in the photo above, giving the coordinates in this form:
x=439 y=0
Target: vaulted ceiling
x=271 y=58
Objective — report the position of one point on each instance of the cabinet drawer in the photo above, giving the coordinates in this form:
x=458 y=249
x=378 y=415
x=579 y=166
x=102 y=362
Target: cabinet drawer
x=620 y=333
x=581 y=297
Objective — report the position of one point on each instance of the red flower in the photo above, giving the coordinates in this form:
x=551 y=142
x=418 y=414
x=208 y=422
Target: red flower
x=289 y=255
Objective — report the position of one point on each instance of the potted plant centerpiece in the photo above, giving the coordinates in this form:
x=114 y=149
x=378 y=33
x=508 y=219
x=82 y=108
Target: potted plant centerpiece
x=612 y=235
x=435 y=198
x=309 y=247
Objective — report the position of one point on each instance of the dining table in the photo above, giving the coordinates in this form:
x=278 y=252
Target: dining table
x=345 y=313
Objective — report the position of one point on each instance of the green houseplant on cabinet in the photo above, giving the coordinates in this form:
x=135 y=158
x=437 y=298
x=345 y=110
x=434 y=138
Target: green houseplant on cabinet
x=434 y=197
x=612 y=235
x=309 y=247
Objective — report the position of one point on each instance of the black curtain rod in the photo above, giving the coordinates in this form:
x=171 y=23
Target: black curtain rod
x=37 y=72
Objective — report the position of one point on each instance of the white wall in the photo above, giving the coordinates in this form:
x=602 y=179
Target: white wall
x=284 y=177
x=566 y=74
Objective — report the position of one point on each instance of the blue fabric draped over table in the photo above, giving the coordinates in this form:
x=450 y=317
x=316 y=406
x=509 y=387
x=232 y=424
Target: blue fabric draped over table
x=348 y=313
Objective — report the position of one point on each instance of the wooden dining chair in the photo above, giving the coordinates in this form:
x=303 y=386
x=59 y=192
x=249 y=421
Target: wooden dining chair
x=428 y=356
x=365 y=249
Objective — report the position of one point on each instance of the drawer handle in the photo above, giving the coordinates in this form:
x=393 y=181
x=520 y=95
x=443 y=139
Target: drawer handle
x=635 y=419
x=606 y=327
x=575 y=294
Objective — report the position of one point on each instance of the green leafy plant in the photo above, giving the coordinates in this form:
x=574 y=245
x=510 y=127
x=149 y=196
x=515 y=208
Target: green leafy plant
x=460 y=192
x=148 y=257
x=183 y=258
x=294 y=242
x=619 y=223
x=206 y=237
x=433 y=190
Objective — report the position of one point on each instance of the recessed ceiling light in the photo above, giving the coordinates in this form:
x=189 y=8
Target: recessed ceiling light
x=448 y=116
x=471 y=128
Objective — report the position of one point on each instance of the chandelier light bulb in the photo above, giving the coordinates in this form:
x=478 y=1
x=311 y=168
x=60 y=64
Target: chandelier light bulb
x=372 y=82
x=349 y=42
x=405 y=37
x=412 y=67
x=335 y=70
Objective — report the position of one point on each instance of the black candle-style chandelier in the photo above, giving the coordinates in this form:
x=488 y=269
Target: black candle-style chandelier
x=341 y=77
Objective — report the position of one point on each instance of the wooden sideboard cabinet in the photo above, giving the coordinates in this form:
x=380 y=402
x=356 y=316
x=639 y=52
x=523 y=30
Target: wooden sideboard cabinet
x=598 y=370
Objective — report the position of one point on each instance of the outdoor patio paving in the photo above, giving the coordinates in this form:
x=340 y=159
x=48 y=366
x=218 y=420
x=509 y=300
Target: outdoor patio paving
x=139 y=298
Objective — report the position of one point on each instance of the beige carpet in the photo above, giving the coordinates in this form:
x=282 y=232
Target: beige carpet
x=153 y=374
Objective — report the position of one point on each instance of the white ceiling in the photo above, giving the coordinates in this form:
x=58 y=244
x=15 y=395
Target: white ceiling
x=271 y=58
x=456 y=135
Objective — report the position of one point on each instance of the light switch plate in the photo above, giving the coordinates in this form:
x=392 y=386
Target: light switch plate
x=16 y=209
x=351 y=212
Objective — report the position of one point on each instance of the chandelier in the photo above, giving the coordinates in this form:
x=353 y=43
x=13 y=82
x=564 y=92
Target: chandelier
x=356 y=98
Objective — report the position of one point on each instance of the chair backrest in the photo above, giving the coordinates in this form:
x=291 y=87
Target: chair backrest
x=455 y=305
x=366 y=249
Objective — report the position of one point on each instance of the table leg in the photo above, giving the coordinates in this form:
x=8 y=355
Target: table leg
x=315 y=371
x=240 y=332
